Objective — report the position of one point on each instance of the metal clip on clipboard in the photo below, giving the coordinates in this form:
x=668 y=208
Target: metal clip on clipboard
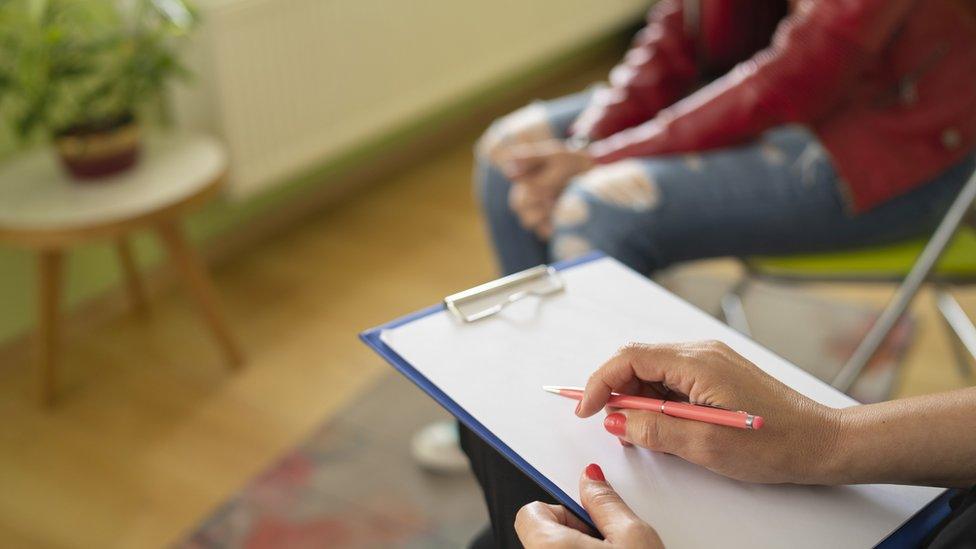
x=488 y=299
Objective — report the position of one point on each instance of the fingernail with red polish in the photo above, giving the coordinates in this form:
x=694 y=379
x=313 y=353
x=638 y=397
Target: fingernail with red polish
x=616 y=424
x=593 y=472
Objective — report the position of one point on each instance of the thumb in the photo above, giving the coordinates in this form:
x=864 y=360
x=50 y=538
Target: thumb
x=610 y=514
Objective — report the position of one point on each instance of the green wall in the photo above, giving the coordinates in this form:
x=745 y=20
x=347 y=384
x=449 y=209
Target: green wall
x=92 y=270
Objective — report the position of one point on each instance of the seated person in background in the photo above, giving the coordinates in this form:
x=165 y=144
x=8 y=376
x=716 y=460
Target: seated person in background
x=854 y=126
x=924 y=440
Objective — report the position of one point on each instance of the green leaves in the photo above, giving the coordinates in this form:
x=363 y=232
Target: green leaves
x=69 y=62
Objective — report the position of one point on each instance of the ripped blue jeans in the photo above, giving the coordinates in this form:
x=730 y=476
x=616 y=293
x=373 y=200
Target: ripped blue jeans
x=775 y=196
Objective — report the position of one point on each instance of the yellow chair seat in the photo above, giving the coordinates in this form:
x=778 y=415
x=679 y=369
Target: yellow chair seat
x=885 y=262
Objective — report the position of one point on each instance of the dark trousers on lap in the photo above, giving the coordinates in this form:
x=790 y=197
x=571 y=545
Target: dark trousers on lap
x=505 y=487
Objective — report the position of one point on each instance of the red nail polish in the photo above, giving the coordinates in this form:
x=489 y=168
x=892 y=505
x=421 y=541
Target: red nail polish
x=616 y=424
x=593 y=472
x=578 y=406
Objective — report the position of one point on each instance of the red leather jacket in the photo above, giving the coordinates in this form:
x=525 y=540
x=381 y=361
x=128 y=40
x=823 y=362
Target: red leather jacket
x=888 y=86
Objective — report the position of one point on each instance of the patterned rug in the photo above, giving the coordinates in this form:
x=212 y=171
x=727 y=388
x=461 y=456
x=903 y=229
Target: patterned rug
x=817 y=335
x=352 y=484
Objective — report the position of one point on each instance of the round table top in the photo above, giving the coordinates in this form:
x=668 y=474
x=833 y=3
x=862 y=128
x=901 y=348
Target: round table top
x=38 y=197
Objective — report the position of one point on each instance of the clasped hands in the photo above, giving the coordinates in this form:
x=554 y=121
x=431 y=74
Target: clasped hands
x=539 y=172
x=539 y=165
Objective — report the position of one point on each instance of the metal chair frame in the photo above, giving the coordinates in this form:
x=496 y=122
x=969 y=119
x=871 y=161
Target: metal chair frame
x=961 y=331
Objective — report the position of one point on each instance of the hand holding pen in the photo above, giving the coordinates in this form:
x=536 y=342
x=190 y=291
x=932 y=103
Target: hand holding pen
x=685 y=410
x=795 y=443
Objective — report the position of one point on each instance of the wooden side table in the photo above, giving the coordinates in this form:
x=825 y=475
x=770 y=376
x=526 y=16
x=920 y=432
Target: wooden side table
x=43 y=210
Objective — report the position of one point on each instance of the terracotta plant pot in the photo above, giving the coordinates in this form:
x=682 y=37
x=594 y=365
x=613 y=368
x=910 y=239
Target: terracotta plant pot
x=90 y=151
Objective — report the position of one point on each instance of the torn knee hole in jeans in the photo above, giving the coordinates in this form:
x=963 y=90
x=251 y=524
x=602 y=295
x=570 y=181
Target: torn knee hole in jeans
x=625 y=184
x=694 y=162
x=772 y=154
x=807 y=163
x=570 y=210
x=568 y=246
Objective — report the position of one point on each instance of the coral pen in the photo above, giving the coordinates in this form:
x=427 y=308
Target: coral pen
x=706 y=414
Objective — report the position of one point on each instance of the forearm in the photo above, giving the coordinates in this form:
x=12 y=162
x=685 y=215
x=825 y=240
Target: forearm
x=814 y=56
x=658 y=69
x=928 y=440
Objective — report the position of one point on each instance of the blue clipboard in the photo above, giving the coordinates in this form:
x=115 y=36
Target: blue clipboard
x=910 y=534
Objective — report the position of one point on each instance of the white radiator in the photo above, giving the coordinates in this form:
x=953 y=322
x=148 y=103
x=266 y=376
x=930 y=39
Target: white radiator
x=289 y=84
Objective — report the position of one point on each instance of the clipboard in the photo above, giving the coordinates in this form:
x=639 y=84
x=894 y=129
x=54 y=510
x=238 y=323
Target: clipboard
x=485 y=300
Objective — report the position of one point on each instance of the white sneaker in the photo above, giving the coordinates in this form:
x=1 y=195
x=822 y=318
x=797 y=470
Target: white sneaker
x=436 y=447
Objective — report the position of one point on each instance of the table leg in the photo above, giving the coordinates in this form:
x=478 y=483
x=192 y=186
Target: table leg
x=130 y=273
x=50 y=264
x=201 y=288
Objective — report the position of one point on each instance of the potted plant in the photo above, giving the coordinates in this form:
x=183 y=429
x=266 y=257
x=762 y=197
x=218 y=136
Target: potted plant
x=83 y=73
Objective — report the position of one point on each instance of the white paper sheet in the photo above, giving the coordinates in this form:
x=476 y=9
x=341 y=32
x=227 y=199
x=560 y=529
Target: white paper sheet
x=495 y=369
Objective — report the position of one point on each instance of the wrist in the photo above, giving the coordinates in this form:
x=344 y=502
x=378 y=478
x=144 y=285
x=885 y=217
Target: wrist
x=844 y=453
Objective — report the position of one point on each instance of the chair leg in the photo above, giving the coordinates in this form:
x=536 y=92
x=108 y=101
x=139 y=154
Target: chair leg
x=873 y=340
x=960 y=329
x=732 y=309
x=50 y=269
x=903 y=297
x=130 y=273
x=201 y=289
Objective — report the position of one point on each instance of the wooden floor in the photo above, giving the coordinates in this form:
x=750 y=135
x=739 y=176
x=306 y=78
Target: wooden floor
x=152 y=431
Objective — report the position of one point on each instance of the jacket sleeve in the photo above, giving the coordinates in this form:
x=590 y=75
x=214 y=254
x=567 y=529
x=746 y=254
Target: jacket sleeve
x=656 y=71
x=816 y=51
